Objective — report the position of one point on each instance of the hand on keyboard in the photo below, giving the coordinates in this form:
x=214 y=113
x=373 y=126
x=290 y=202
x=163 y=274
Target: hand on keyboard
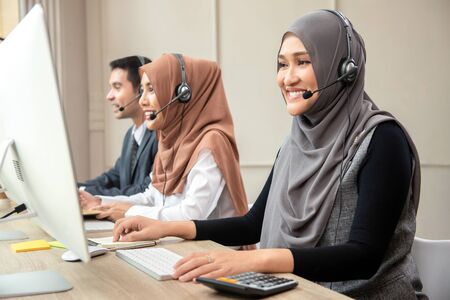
x=137 y=229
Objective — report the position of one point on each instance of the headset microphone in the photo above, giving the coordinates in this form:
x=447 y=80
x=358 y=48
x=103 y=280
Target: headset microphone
x=182 y=91
x=154 y=114
x=122 y=108
x=352 y=70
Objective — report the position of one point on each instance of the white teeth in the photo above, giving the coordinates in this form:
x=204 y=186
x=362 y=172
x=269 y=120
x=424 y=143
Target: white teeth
x=147 y=113
x=295 y=94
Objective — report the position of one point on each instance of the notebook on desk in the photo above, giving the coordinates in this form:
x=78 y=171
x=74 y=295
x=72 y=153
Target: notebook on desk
x=107 y=242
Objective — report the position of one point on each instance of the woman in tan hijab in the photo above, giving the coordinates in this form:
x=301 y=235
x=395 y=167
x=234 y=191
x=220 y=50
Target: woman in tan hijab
x=196 y=171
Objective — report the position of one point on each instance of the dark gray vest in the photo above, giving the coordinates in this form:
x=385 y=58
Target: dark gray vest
x=397 y=277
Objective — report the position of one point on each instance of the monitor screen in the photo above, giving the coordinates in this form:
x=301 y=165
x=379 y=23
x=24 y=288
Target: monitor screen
x=38 y=168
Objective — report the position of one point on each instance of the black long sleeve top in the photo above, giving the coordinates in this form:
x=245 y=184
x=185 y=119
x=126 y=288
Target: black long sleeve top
x=383 y=184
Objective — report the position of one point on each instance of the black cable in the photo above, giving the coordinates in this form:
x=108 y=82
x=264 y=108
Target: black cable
x=18 y=209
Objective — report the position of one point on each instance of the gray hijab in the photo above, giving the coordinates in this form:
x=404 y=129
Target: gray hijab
x=307 y=171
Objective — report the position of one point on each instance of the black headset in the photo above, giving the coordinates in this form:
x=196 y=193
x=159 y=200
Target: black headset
x=347 y=65
x=183 y=91
x=183 y=87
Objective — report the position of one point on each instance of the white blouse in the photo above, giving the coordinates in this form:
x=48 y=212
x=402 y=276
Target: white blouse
x=204 y=196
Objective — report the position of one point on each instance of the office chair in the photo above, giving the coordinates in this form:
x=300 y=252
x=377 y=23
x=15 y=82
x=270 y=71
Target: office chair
x=433 y=263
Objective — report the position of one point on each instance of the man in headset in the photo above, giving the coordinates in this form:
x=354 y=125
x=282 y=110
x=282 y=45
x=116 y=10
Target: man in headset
x=131 y=172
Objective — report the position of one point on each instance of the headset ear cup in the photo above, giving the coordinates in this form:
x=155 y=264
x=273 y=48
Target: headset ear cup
x=348 y=66
x=180 y=89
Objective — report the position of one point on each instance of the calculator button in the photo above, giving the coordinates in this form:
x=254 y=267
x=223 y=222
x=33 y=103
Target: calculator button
x=226 y=279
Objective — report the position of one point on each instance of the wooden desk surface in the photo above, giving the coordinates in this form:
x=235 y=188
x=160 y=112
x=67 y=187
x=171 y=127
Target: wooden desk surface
x=109 y=277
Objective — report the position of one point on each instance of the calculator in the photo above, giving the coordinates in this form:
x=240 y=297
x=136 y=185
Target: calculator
x=251 y=284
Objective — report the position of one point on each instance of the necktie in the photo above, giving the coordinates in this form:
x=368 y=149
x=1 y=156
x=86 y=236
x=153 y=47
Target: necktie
x=133 y=156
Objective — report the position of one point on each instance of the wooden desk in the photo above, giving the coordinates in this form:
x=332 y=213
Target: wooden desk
x=108 y=277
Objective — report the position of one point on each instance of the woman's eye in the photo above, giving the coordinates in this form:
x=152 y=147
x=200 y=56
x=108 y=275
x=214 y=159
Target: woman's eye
x=303 y=62
x=281 y=65
x=141 y=90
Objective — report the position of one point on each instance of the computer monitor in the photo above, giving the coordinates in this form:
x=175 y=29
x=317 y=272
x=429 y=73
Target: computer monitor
x=37 y=169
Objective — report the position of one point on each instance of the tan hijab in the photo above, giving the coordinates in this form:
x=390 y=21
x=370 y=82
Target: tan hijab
x=206 y=124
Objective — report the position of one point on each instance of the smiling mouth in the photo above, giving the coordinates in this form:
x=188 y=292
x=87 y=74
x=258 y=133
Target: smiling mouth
x=295 y=95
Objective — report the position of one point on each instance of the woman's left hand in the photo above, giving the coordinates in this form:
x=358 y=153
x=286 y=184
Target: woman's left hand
x=113 y=211
x=216 y=264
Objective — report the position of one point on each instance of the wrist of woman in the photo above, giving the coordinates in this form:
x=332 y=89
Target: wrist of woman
x=275 y=261
x=183 y=229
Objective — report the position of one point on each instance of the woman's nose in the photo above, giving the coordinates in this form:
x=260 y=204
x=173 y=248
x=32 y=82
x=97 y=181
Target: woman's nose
x=291 y=76
x=142 y=100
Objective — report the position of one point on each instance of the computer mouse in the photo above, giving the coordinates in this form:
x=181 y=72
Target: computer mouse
x=93 y=251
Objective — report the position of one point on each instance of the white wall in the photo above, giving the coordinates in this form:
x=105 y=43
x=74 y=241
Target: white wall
x=407 y=44
x=72 y=77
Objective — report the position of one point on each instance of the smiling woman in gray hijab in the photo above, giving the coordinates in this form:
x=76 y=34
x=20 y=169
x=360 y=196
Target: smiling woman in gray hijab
x=340 y=203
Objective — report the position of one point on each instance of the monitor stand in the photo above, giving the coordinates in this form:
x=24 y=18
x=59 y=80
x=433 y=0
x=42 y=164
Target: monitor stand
x=14 y=234
x=32 y=283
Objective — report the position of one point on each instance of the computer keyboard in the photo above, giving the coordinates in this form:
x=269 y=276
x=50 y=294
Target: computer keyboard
x=156 y=262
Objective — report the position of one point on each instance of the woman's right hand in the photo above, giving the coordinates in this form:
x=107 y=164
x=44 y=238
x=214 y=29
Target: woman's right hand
x=137 y=229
